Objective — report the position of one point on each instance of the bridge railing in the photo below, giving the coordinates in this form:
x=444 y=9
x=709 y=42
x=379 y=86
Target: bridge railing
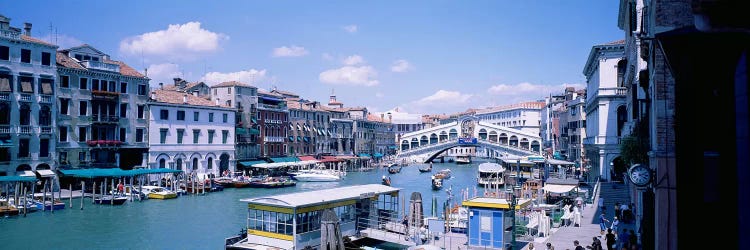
x=440 y=145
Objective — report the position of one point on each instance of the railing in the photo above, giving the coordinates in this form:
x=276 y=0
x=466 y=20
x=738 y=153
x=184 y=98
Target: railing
x=45 y=129
x=25 y=97
x=5 y=129
x=101 y=66
x=10 y=34
x=270 y=106
x=4 y=96
x=45 y=99
x=273 y=139
x=271 y=121
x=99 y=94
x=25 y=129
x=105 y=118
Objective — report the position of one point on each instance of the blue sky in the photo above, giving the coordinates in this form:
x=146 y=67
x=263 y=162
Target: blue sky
x=422 y=56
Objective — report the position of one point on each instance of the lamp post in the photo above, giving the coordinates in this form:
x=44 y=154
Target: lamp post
x=513 y=202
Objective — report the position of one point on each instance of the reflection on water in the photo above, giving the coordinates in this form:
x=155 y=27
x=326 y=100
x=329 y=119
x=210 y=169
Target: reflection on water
x=196 y=222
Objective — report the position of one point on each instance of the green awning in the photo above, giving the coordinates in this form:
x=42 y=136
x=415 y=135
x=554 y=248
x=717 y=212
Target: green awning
x=285 y=159
x=307 y=139
x=6 y=143
x=248 y=164
x=240 y=131
x=377 y=155
x=254 y=131
x=254 y=121
x=299 y=138
x=364 y=155
x=291 y=139
x=329 y=132
x=15 y=178
x=320 y=132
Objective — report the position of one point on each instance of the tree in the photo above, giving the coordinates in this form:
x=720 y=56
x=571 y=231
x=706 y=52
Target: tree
x=634 y=147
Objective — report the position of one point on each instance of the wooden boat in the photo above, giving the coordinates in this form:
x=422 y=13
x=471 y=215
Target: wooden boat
x=437 y=183
x=443 y=174
x=111 y=200
x=7 y=209
x=386 y=180
x=394 y=169
x=223 y=181
x=425 y=170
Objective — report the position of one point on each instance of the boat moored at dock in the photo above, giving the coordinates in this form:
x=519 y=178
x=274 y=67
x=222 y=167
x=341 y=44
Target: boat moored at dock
x=491 y=175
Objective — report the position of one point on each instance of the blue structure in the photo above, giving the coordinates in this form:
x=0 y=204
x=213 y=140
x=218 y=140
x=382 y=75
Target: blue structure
x=490 y=221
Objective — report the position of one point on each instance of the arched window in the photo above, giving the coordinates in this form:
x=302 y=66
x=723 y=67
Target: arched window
x=178 y=166
x=210 y=163
x=25 y=114
x=162 y=163
x=195 y=163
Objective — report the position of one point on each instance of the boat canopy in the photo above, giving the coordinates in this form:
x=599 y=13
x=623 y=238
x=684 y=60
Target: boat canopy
x=248 y=164
x=310 y=198
x=487 y=202
x=46 y=173
x=15 y=178
x=27 y=173
x=515 y=160
x=489 y=167
x=113 y=172
x=558 y=188
x=559 y=162
x=284 y=159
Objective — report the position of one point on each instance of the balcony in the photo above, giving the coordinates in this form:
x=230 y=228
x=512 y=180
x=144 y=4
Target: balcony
x=45 y=99
x=105 y=95
x=104 y=143
x=102 y=66
x=271 y=121
x=25 y=129
x=273 y=139
x=25 y=98
x=245 y=139
x=45 y=130
x=4 y=96
x=271 y=106
x=105 y=119
x=10 y=34
x=4 y=129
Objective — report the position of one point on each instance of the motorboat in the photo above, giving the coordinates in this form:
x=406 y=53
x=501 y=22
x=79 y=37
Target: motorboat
x=394 y=169
x=443 y=174
x=491 y=175
x=111 y=200
x=316 y=175
x=273 y=182
x=458 y=219
x=437 y=183
x=463 y=159
x=224 y=181
x=155 y=192
x=49 y=205
x=22 y=204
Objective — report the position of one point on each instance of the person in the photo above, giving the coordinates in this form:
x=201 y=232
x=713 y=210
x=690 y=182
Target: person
x=617 y=210
x=550 y=247
x=596 y=244
x=624 y=239
x=579 y=201
x=578 y=245
x=625 y=211
x=602 y=223
x=610 y=240
x=615 y=224
x=120 y=188
x=601 y=204
x=405 y=222
x=531 y=246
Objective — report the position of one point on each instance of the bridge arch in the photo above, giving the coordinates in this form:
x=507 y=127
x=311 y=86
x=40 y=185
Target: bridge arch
x=433 y=138
x=482 y=134
x=513 y=141
x=493 y=136
x=453 y=134
x=535 y=146
x=404 y=145
x=443 y=136
x=423 y=141
x=503 y=139
x=414 y=143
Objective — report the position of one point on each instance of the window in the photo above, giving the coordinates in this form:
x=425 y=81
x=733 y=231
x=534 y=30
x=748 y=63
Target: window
x=124 y=87
x=82 y=134
x=25 y=56
x=83 y=83
x=123 y=110
x=64 y=103
x=224 y=117
x=46 y=58
x=180 y=133
x=122 y=134
x=196 y=116
x=139 y=135
x=229 y=90
x=95 y=84
x=164 y=114
x=112 y=86
x=82 y=156
x=210 y=136
x=163 y=135
x=216 y=92
x=196 y=135
x=573 y=110
x=4 y=53
x=224 y=136
x=142 y=89
x=45 y=116
x=62 y=131
x=62 y=157
x=180 y=115
x=140 y=111
x=64 y=81
x=83 y=108
x=210 y=117
x=43 y=147
x=210 y=163
x=23 y=148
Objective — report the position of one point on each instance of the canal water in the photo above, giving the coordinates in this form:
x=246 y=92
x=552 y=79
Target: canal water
x=195 y=221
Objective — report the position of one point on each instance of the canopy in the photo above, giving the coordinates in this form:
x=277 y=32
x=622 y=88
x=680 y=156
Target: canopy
x=248 y=164
x=377 y=155
x=364 y=155
x=557 y=188
x=254 y=131
x=27 y=173
x=284 y=159
x=307 y=158
x=240 y=131
x=6 y=143
x=113 y=172
x=16 y=178
x=46 y=173
x=489 y=167
x=559 y=162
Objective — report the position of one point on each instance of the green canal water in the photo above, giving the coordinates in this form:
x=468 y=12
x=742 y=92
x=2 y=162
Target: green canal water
x=193 y=221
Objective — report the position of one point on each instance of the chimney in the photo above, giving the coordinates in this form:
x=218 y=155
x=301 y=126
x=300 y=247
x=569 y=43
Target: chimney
x=184 y=98
x=217 y=101
x=153 y=95
x=27 y=29
x=161 y=85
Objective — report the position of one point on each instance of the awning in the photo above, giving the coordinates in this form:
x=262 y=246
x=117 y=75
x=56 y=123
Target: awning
x=329 y=132
x=6 y=143
x=270 y=98
x=307 y=139
x=291 y=139
x=377 y=155
x=240 y=131
x=299 y=138
x=364 y=155
x=16 y=178
x=559 y=162
x=27 y=173
x=291 y=126
x=320 y=132
x=298 y=127
x=253 y=120
x=330 y=159
x=248 y=164
x=46 y=173
x=559 y=189
x=254 y=131
x=284 y=159
x=307 y=158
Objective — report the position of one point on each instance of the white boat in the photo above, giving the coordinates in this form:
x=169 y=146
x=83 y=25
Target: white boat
x=458 y=219
x=463 y=159
x=155 y=192
x=23 y=202
x=443 y=174
x=491 y=175
x=316 y=175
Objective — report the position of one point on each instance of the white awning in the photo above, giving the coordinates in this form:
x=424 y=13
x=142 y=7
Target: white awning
x=556 y=188
x=26 y=173
x=46 y=173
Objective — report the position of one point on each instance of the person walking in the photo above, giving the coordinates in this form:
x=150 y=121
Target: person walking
x=550 y=247
x=624 y=239
x=602 y=223
x=617 y=210
x=596 y=244
x=601 y=205
x=633 y=240
x=615 y=224
x=610 y=237
x=577 y=245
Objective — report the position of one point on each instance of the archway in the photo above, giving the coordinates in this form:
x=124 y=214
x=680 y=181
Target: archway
x=223 y=162
x=414 y=143
x=453 y=134
x=493 y=136
x=162 y=163
x=423 y=140
x=503 y=139
x=210 y=163
x=23 y=167
x=443 y=136
x=524 y=143
x=178 y=164
x=513 y=141
x=483 y=134
x=535 y=146
x=43 y=166
x=433 y=138
x=195 y=164
x=404 y=145
x=619 y=168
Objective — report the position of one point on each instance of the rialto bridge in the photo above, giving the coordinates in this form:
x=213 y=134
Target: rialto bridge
x=468 y=132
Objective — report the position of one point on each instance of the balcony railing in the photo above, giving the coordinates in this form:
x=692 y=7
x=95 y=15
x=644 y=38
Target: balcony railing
x=25 y=97
x=10 y=34
x=101 y=66
x=45 y=99
x=273 y=139
x=25 y=130
x=107 y=95
x=271 y=121
x=270 y=106
x=104 y=143
x=4 y=96
x=4 y=129
x=105 y=118
x=45 y=130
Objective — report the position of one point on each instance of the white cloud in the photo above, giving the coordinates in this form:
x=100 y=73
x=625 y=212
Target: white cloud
x=327 y=57
x=250 y=76
x=292 y=51
x=350 y=75
x=353 y=60
x=163 y=73
x=401 y=66
x=440 y=102
x=350 y=28
x=379 y=95
x=62 y=40
x=178 y=41
x=529 y=91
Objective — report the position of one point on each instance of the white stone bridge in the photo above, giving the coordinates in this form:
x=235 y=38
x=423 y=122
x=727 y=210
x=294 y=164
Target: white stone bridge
x=469 y=132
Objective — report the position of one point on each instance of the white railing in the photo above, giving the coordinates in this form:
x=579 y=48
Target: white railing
x=10 y=34
x=5 y=96
x=45 y=99
x=101 y=66
x=25 y=97
x=25 y=129
x=4 y=129
x=273 y=139
x=45 y=129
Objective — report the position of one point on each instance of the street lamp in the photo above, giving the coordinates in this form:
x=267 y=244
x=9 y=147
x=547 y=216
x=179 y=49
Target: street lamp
x=513 y=202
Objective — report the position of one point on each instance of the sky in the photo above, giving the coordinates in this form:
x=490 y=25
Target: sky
x=429 y=57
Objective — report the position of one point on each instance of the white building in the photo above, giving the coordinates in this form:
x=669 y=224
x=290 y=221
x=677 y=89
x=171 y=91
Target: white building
x=190 y=133
x=606 y=111
x=526 y=116
x=28 y=75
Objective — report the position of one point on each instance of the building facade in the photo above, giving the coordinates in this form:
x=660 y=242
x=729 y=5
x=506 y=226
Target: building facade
x=573 y=126
x=549 y=129
x=244 y=98
x=273 y=122
x=190 y=133
x=605 y=110
x=526 y=116
x=28 y=80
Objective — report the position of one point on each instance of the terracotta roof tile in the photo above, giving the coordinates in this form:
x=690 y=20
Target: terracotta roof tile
x=174 y=97
x=36 y=40
x=621 y=41
x=231 y=84
x=67 y=62
x=126 y=69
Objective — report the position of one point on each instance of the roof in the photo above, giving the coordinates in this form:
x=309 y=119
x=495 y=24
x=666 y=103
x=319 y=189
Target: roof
x=562 y=181
x=231 y=84
x=489 y=167
x=286 y=93
x=497 y=203
x=621 y=41
x=558 y=188
x=36 y=40
x=559 y=162
x=174 y=97
x=65 y=61
x=126 y=69
x=309 y=198
x=375 y=118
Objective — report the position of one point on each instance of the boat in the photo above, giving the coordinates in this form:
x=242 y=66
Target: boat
x=111 y=200
x=422 y=169
x=443 y=174
x=155 y=192
x=49 y=205
x=273 y=182
x=463 y=159
x=315 y=175
x=7 y=209
x=224 y=181
x=458 y=219
x=491 y=175
x=437 y=183
x=23 y=204
x=394 y=169
x=386 y=180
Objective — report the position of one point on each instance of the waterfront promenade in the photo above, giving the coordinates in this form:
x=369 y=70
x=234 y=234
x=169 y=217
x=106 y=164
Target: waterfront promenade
x=563 y=237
